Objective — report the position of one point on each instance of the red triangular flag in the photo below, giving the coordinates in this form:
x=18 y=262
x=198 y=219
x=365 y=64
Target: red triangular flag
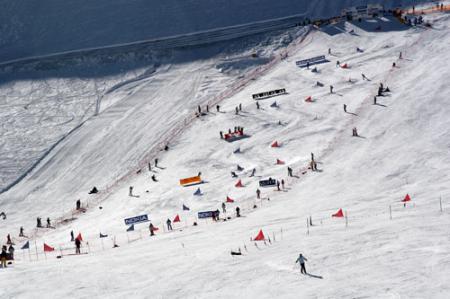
x=79 y=237
x=308 y=99
x=344 y=66
x=177 y=218
x=48 y=248
x=407 y=198
x=239 y=184
x=229 y=199
x=260 y=236
x=338 y=214
x=279 y=162
x=155 y=228
x=275 y=144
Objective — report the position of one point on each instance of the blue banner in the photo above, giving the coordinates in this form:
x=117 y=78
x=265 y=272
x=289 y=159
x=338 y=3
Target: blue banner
x=136 y=219
x=206 y=214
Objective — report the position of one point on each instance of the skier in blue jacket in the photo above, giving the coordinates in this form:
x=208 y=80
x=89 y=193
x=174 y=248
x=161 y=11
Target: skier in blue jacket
x=301 y=260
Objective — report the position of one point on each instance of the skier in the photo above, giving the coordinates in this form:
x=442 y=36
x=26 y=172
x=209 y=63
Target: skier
x=400 y=56
x=329 y=51
x=11 y=252
x=393 y=64
x=240 y=107
x=8 y=239
x=78 y=204
x=221 y=134
x=289 y=171
x=312 y=156
x=258 y=194
x=199 y=110
x=217 y=214
x=77 y=246
x=149 y=166
x=301 y=260
x=282 y=183
x=375 y=100
x=233 y=174
x=364 y=77
x=154 y=178
x=156 y=162
x=224 y=208
x=38 y=222
x=48 y=222
x=238 y=212
x=130 y=191
x=3 y=257
x=218 y=108
x=21 y=232
x=236 y=110
x=169 y=224
x=152 y=229
x=331 y=88
x=3 y=214
x=207 y=108
x=307 y=65
x=253 y=172
x=311 y=165
x=278 y=185
x=72 y=238
x=355 y=132
x=257 y=105
x=345 y=108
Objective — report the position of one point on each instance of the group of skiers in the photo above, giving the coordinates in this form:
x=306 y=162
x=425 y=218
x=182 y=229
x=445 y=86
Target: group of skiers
x=39 y=222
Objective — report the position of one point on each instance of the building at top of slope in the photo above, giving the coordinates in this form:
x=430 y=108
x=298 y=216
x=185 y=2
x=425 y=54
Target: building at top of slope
x=29 y=28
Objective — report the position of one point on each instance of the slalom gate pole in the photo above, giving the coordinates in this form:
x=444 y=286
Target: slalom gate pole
x=390 y=212
x=440 y=203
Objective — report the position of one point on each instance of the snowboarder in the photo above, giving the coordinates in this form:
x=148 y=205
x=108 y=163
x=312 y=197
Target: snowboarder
x=169 y=224
x=224 y=208
x=289 y=171
x=257 y=105
x=282 y=183
x=166 y=147
x=93 y=190
x=301 y=260
x=48 y=222
x=331 y=88
x=221 y=134
x=11 y=252
x=3 y=257
x=345 y=108
x=238 y=212
x=258 y=194
x=21 y=232
x=156 y=162
x=78 y=204
x=218 y=108
x=77 y=246
x=151 y=227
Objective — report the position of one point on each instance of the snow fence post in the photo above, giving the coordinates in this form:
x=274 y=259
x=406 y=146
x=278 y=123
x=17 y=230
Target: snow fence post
x=390 y=212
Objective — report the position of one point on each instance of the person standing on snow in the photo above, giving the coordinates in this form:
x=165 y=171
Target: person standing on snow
x=345 y=108
x=282 y=183
x=169 y=224
x=130 y=193
x=258 y=194
x=8 y=239
x=151 y=227
x=3 y=257
x=301 y=260
x=11 y=252
x=72 y=238
x=77 y=246
x=48 y=222
x=289 y=171
x=21 y=232
x=238 y=212
x=224 y=208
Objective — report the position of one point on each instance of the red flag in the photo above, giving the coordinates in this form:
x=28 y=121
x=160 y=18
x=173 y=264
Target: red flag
x=279 y=162
x=229 y=199
x=177 y=218
x=338 y=214
x=260 y=236
x=308 y=99
x=275 y=144
x=155 y=228
x=344 y=66
x=48 y=248
x=239 y=184
x=407 y=198
x=79 y=237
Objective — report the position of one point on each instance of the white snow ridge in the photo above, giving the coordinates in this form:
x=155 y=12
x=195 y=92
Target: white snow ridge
x=205 y=187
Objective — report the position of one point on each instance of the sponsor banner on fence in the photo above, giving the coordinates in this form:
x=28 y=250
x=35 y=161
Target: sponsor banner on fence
x=136 y=219
x=311 y=61
x=268 y=182
x=268 y=94
x=207 y=214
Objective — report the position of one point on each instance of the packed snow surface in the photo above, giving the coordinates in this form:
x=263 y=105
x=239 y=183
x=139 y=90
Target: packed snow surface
x=382 y=249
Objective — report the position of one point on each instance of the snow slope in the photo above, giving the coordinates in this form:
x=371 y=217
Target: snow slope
x=30 y=29
x=403 y=148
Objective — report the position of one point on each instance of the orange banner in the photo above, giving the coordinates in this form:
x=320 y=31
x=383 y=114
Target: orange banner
x=191 y=180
